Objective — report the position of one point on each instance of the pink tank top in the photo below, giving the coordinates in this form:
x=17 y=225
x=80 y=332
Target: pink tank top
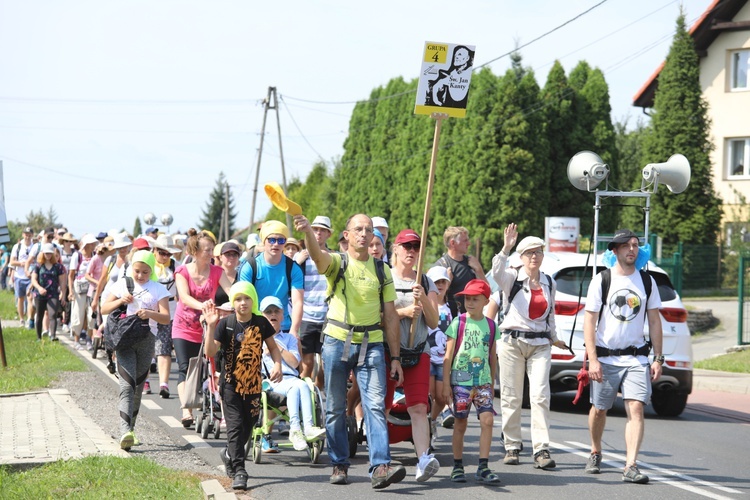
x=186 y=322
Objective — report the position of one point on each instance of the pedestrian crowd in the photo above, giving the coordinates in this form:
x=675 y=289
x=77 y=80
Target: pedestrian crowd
x=362 y=323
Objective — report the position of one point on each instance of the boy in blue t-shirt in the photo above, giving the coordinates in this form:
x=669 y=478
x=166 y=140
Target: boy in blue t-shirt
x=471 y=369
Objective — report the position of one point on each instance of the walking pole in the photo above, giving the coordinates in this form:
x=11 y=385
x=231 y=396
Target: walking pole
x=438 y=117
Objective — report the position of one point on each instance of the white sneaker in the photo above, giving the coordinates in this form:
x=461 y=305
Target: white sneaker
x=65 y=328
x=298 y=440
x=427 y=467
x=312 y=433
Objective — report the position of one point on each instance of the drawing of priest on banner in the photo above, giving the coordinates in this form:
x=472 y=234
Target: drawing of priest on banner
x=451 y=87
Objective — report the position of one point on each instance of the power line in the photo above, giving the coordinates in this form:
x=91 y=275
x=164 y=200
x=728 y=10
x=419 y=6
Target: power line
x=281 y=97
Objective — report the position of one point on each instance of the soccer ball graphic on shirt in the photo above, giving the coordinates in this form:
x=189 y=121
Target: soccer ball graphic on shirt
x=625 y=304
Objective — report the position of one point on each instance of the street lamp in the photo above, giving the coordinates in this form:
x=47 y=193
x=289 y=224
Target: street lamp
x=166 y=220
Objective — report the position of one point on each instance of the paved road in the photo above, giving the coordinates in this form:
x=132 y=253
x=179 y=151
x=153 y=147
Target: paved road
x=720 y=338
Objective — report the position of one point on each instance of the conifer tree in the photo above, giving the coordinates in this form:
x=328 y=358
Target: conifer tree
x=212 y=214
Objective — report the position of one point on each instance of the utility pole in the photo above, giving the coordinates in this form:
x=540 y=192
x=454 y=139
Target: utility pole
x=226 y=211
x=270 y=102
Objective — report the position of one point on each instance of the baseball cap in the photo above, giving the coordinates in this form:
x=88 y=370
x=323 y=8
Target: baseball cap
x=379 y=222
x=151 y=229
x=61 y=231
x=321 y=221
x=28 y=230
x=270 y=300
x=407 y=236
x=476 y=287
x=141 y=244
x=101 y=235
x=438 y=273
x=621 y=236
x=528 y=243
x=230 y=246
x=48 y=248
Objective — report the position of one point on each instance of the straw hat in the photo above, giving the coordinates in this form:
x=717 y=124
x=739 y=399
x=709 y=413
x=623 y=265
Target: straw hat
x=164 y=242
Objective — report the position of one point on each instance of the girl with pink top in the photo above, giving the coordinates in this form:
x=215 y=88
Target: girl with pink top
x=196 y=283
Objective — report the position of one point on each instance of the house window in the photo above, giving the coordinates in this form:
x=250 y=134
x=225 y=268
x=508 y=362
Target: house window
x=739 y=154
x=740 y=61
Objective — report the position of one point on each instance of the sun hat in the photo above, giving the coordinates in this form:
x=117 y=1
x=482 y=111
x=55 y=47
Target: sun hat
x=321 y=221
x=270 y=300
x=68 y=237
x=407 y=236
x=245 y=288
x=476 y=287
x=293 y=241
x=88 y=239
x=164 y=242
x=528 y=243
x=379 y=222
x=273 y=227
x=121 y=240
x=438 y=273
x=621 y=236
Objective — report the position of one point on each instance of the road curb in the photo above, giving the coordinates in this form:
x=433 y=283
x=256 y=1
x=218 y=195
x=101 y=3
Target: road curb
x=213 y=490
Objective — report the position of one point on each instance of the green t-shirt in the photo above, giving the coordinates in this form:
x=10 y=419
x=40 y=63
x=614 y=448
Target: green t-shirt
x=362 y=301
x=472 y=358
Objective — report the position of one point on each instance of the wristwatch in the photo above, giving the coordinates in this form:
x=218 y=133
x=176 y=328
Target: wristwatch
x=396 y=358
x=659 y=359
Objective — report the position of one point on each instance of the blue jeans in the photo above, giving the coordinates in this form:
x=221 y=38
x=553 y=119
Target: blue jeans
x=371 y=377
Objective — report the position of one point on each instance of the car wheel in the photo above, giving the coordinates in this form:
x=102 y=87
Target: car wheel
x=669 y=404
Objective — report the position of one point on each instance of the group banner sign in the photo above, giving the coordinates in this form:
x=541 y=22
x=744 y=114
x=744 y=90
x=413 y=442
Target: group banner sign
x=444 y=79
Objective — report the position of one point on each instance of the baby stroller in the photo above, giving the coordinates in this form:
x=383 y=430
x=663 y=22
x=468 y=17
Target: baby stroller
x=210 y=419
x=398 y=420
x=273 y=402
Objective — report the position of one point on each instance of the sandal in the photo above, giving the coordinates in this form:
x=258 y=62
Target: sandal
x=187 y=422
x=487 y=476
x=458 y=476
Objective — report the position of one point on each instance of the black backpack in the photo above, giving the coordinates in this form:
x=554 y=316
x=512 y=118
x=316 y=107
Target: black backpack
x=290 y=263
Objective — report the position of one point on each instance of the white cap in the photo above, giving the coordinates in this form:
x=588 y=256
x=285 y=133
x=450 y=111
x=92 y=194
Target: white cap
x=438 y=273
x=87 y=239
x=48 y=248
x=379 y=222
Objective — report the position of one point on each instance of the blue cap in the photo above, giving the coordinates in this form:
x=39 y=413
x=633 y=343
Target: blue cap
x=377 y=233
x=101 y=235
x=150 y=229
x=270 y=300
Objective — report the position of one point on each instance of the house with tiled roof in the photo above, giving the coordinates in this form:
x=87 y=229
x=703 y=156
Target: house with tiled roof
x=722 y=41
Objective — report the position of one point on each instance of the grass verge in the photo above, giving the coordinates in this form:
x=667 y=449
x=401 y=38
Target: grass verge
x=33 y=365
x=8 y=305
x=737 y=362
x=100 y=477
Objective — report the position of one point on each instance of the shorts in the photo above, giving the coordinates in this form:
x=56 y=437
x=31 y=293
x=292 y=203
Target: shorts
x=416 y=383
x=20 y=286
x=163 y=339
x=436 y=370
x=463 y=396
x=633 y=381
x=310 y=337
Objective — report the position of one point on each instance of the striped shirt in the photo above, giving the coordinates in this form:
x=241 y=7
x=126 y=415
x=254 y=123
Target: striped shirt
x=316 y=288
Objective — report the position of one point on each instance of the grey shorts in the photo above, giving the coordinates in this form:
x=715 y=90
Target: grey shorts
x=633 y=381
x=163 y=339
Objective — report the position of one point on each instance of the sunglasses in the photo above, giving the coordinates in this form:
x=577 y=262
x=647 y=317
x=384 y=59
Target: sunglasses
x=411 y=246
x=276 y=241
x=164 y=253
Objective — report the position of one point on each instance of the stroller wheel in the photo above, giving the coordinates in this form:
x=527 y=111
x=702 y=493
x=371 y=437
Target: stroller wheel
x=352 y=434
x=314 y=450
x=199 y=424
x=206 y=429
x=217 y=429
x=95 y=347
x=257 y=454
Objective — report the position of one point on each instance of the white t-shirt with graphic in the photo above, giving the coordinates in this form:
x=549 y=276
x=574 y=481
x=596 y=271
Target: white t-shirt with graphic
x=147 y=296
x=623 y=319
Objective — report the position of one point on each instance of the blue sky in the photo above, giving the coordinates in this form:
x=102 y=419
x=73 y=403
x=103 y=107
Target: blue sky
x=110 y=110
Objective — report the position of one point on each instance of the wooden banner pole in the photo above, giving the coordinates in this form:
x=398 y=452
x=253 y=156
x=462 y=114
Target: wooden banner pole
x=438 y=117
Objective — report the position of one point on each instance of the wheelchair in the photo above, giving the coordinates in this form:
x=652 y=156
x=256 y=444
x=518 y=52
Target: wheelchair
x=273 y=402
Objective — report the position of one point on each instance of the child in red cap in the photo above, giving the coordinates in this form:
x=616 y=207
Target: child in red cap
x=470 y=367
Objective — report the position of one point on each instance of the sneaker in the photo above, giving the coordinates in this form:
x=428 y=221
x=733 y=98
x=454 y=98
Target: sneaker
x=78 y=347
x=633 y=475
x=127 y=440
x=65 y=328
x=54 y=338
x=147 y=387
x=153 y=366
x=111 y=367
x=385 y=475
x=340 y=475
x=447 y=418
x=240 y=480
x=542 y=460
x=164 y=391
x=31 y=324
x=312 y=433
x=224 y=454
x=268 y=445
x=45 y=333
x=298 y=439
x=511 y=457
x=427 y=467
x=89 y=346
x=593 y=464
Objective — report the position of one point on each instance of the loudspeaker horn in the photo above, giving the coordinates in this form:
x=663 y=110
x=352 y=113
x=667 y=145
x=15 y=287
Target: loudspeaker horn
x=586 y=170
x=674 y=173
